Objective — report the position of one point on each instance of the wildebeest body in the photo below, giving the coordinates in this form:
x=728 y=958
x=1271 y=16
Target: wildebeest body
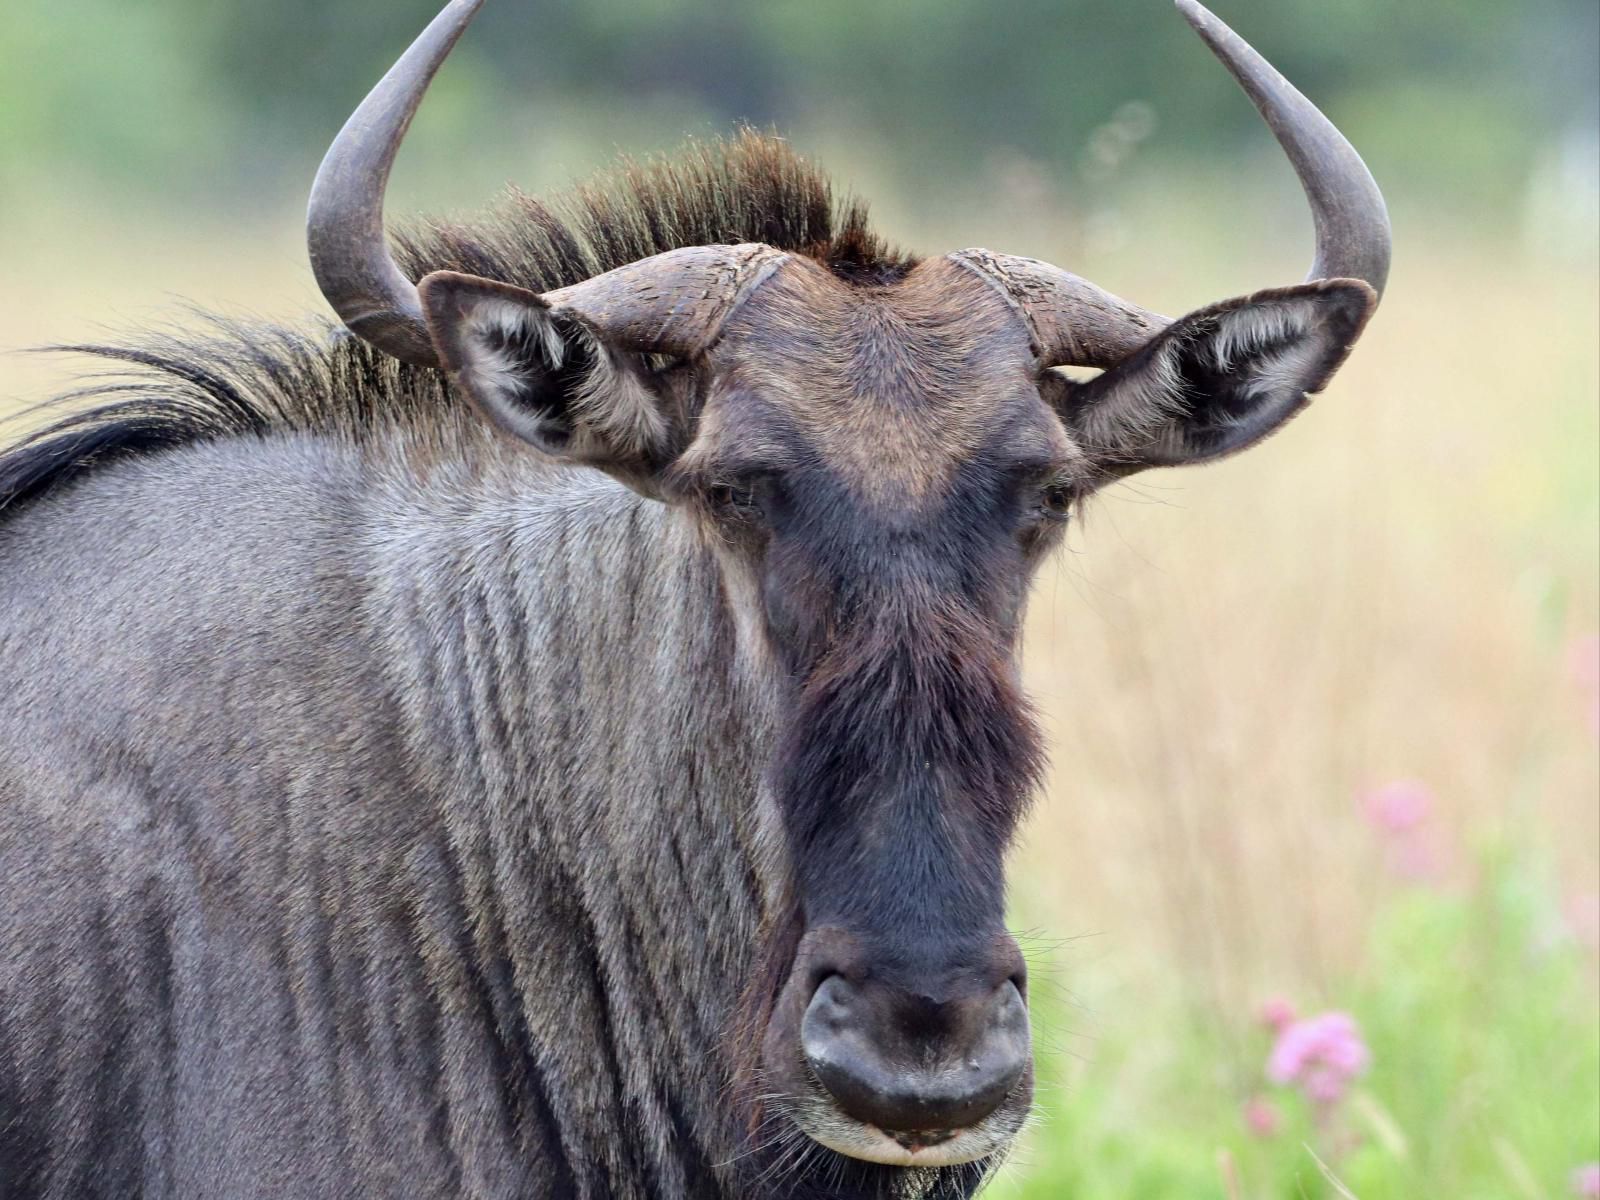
x=326 y=866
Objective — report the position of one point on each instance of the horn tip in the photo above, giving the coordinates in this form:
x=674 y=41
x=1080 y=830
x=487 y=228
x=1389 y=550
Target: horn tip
x=1204 y=22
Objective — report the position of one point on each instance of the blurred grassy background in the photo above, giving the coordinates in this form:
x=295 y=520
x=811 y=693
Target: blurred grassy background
x=1398 y=587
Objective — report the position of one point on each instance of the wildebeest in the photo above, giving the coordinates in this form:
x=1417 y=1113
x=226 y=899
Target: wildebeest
x=558 y=734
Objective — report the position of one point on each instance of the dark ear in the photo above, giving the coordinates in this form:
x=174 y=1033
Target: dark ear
x=545 y=374
x=1219 y=379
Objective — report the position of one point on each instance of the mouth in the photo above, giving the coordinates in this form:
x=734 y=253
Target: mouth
x=825 y=1124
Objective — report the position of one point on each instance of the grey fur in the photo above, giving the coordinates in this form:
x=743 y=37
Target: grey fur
x=305 y=839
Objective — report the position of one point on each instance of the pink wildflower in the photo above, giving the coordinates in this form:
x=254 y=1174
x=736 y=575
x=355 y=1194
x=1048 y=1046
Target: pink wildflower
x=1276 y=1013
x=1320 y=1055
x=1261 y=1117
x=1586 y=1181
x=1399 y=807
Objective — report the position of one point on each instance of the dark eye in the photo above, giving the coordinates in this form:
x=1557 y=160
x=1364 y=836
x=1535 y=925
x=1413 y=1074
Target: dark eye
x=730 y=499
x=1055 y=501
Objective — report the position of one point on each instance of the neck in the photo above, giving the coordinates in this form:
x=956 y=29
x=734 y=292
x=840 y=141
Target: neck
x=592 y=735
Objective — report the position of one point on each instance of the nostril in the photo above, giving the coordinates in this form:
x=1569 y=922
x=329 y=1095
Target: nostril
x=831 y=1012
x=1016 y=966
x=880 y=1075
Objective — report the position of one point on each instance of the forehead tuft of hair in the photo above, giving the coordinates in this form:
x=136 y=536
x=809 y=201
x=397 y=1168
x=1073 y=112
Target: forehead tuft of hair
x=221 y=378
x=752 y=187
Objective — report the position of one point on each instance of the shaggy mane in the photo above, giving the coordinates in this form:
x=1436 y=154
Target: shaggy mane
x=237 y=378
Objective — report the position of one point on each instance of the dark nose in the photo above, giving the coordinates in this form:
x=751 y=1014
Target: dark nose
x=906 y=1062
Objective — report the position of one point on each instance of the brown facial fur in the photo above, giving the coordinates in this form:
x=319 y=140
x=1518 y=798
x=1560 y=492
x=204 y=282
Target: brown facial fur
x=893 y=386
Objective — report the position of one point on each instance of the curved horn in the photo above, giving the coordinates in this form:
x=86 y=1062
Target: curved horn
x=1072 y=320
x=344 y=221
x=1076 y=322
x=1351 y=219
x=673 y=302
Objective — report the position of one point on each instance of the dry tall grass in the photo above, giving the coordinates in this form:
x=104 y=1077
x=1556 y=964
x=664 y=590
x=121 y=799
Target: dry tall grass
x=1388 y=588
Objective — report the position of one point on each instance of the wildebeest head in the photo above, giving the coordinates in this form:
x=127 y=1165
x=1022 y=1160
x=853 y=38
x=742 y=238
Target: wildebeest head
x=880 y=458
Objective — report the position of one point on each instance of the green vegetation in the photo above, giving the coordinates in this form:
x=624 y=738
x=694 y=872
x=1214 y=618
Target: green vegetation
x=1479 y=1010
x=234 y=101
